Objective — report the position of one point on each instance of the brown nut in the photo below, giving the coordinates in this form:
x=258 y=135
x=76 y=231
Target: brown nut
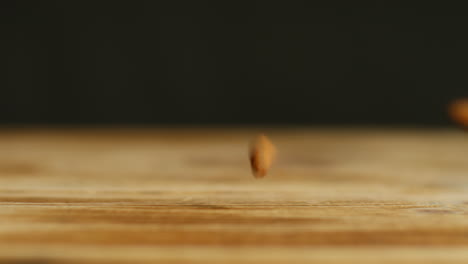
x=458 y=111
x=262 y=155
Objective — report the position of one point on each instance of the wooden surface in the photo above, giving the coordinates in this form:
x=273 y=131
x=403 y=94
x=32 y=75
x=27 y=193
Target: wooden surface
x=187 y=196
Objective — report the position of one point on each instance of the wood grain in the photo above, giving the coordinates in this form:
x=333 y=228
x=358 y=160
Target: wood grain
x=186 y=196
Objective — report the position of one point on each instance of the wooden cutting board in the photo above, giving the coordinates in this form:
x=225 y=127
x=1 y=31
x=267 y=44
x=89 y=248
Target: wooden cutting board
x=187 y=196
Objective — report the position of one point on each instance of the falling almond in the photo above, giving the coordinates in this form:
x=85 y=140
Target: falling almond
x=458 y=110
x=262 y=155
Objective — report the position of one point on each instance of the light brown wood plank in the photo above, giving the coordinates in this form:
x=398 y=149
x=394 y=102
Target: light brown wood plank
x=187 y=196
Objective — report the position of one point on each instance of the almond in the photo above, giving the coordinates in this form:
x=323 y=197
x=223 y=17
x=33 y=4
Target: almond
x=262 y=155
x=458 y=111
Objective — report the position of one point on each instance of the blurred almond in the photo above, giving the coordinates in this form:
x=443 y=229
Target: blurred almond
x=458 y=111
x=262 y=155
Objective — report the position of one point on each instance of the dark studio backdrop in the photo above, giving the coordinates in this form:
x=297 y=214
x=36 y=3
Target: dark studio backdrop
x=231 y=62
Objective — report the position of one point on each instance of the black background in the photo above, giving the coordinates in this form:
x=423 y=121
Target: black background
x=231 y=62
